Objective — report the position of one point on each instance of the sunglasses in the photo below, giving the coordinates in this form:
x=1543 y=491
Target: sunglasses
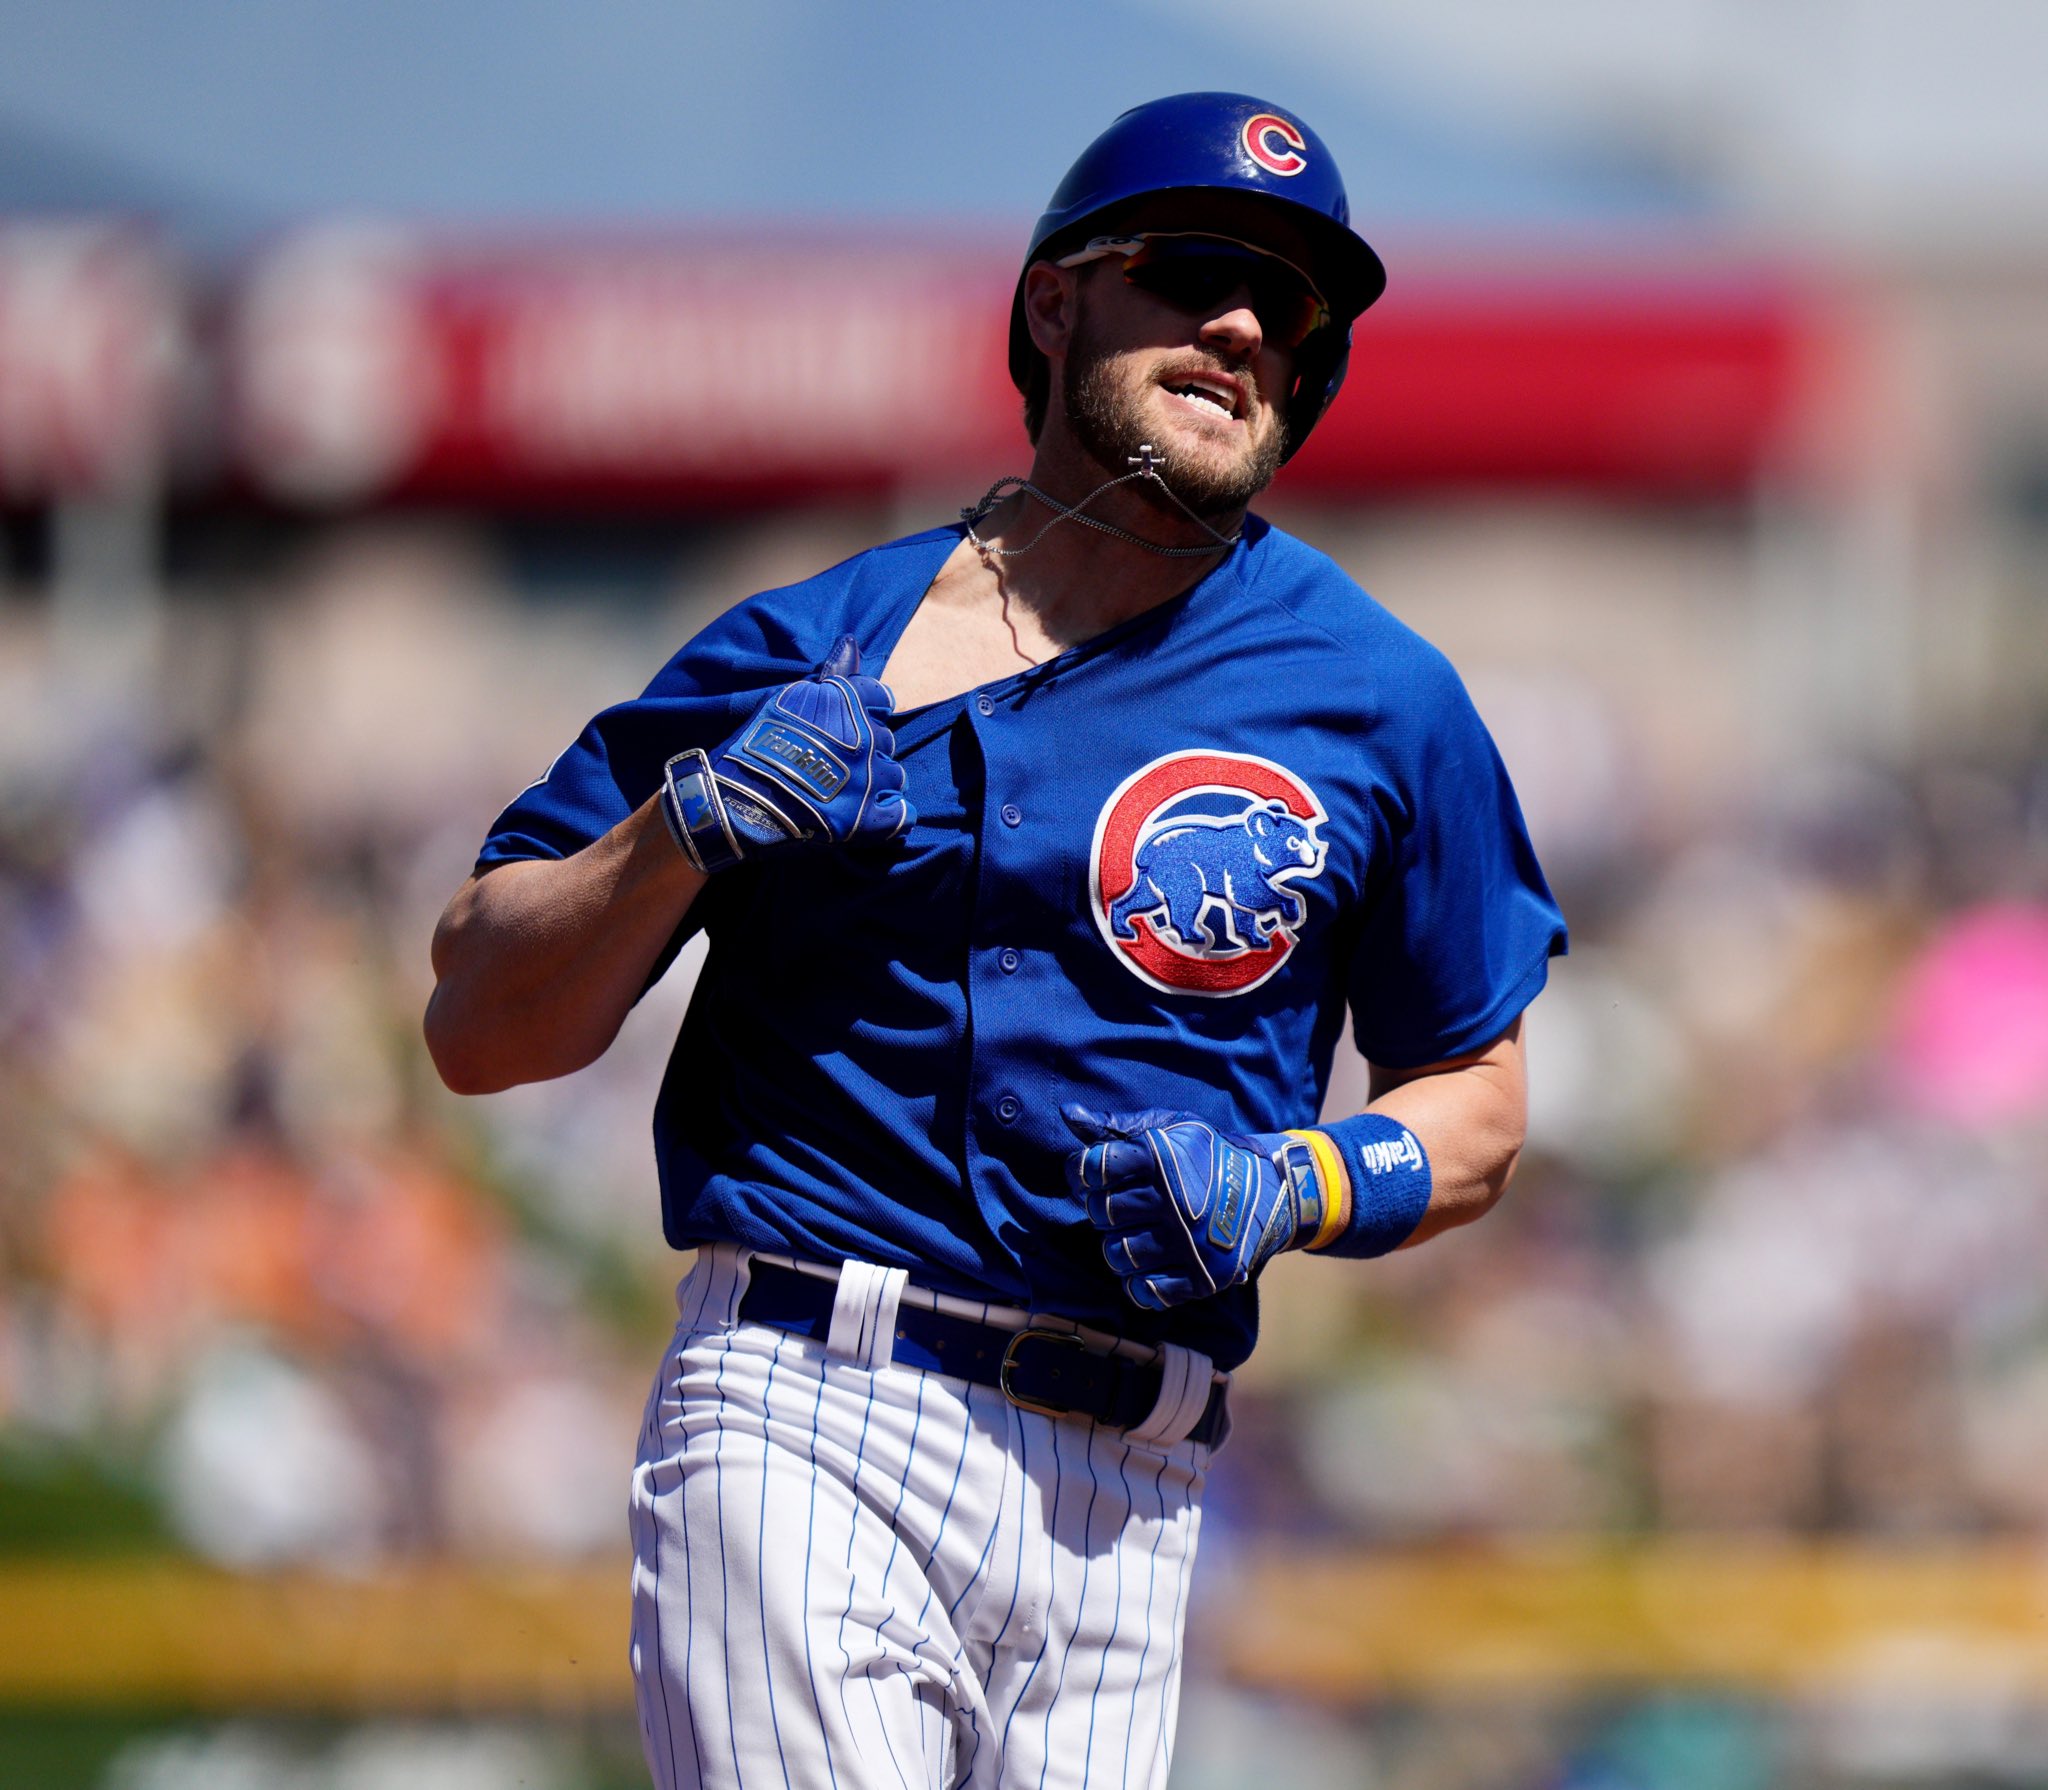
x=1195 y=274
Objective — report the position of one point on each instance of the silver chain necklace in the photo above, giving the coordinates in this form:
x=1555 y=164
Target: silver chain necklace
x=1146 y=460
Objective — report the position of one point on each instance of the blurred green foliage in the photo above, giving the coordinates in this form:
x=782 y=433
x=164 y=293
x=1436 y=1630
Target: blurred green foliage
x=62 y=1500
x=67 y=1750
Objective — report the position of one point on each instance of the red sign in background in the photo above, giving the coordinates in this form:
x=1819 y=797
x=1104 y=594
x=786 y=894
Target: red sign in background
x=89 y=334
x=357 y=364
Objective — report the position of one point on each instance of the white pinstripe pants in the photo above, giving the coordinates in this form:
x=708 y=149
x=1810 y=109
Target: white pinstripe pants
x=848 y=1577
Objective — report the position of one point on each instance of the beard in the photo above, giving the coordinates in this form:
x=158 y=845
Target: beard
x=1104 y=414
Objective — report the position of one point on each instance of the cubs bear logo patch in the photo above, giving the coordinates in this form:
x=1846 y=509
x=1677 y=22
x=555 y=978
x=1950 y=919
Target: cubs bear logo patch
x=1193 y=868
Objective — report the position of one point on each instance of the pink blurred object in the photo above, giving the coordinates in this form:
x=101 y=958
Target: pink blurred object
x=1970 y=1040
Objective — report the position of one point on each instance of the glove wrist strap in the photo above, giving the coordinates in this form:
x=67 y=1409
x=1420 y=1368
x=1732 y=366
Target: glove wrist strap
x=1387 y=1182
x=695 y=813
x=1320 y=1227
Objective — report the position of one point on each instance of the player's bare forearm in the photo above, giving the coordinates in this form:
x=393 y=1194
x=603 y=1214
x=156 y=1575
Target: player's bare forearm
x=1470 y=1115
x=537 y=963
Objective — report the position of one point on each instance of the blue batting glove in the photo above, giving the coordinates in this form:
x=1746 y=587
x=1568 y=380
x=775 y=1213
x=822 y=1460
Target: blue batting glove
x=1187 y=1210
x=811 y=766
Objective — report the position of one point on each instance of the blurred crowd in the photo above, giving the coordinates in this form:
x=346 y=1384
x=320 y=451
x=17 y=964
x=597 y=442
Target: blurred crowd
x=1771 y=1263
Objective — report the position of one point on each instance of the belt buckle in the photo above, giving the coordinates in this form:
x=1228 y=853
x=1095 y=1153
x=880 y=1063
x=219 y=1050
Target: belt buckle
x=1003 y=1372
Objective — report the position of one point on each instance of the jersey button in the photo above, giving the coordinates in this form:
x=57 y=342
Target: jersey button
x=986 y=704
x=1008 y=1108
x=1013 y=816
x=1008 y=961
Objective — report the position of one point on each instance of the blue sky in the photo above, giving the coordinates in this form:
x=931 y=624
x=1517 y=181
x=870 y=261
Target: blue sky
x=1900 y=122
x=235 y=114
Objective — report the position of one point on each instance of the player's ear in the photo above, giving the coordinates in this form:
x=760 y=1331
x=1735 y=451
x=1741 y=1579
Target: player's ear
x=1049 y=300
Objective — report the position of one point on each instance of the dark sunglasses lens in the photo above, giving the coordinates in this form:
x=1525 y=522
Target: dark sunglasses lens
x=1198 y=278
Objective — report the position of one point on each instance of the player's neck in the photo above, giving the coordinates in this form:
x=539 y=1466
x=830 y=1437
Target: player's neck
x=1080 y=579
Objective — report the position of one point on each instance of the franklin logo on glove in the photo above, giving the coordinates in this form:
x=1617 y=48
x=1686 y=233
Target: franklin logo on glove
x=772 y=744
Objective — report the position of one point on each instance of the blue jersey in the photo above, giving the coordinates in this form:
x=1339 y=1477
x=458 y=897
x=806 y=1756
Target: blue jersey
x=1152 y=872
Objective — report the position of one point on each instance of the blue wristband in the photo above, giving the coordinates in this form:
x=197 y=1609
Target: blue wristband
x=1390 y=1183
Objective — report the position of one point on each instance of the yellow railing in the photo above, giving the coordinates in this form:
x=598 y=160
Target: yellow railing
x=423 y=1639
x=1342 y=1625
x=1765 y=1618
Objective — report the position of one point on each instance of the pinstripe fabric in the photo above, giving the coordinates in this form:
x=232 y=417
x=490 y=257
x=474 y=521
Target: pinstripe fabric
x=883 y=1580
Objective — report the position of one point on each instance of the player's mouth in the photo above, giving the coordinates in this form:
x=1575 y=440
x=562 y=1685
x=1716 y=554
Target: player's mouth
x=1215 y=395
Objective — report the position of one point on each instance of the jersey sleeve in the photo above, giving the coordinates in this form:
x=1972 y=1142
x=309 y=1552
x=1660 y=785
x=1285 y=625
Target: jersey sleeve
x=614 y=765
x=697 y=699
x=702 y=694
x=1458 y=935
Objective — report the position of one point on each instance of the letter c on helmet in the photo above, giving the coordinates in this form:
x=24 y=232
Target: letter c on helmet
x=1283 y=158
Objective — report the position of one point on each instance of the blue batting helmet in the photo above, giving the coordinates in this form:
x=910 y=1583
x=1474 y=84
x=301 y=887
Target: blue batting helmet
x=1203 y=144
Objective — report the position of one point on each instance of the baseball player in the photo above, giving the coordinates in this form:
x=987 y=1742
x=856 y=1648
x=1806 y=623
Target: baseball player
x=1041 y=856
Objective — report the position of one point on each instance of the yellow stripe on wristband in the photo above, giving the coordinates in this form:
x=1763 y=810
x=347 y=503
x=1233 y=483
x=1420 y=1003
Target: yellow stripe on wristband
x=1336 y=1184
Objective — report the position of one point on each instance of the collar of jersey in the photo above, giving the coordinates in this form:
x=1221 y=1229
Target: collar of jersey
x=1160 y=615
